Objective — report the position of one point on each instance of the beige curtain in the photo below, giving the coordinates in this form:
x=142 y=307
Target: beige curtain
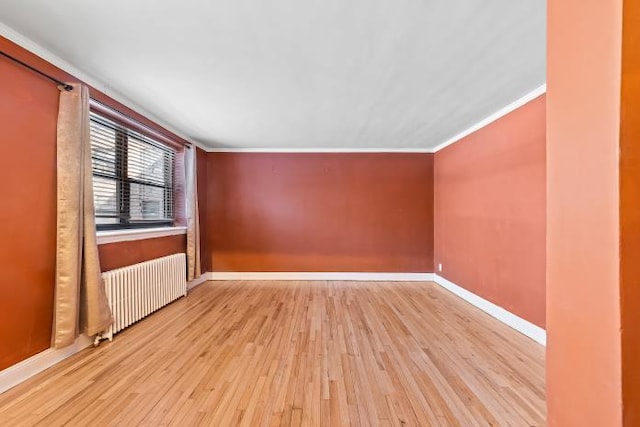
x=80 y=299
x=193 y=222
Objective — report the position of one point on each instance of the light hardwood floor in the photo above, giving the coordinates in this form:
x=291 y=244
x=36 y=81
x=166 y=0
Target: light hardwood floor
x=297 y=353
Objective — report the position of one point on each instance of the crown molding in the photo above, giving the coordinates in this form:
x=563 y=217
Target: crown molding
x=495 y=116
x=320 y=150
x=539 y=91
x=33 y=47
x=47 y=55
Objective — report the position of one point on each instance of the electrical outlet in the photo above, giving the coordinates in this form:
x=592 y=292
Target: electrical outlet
x=439 y=267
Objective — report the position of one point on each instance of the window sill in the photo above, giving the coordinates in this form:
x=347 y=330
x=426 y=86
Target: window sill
x=114 y=236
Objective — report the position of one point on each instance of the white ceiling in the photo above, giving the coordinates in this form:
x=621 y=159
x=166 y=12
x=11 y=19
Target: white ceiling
x=301 y=74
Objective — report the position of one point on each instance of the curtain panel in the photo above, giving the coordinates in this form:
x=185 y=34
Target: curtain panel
x=80 y=304
x=194 y=269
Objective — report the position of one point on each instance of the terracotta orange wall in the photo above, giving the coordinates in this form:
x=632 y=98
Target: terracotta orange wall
x=630 y=213
x=28 y=108
x=583 y=246
x=122 y=254
x=490 y=212
x=320 y=212
x=28 y=116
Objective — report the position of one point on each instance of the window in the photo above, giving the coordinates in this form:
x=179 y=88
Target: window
x=133 y=177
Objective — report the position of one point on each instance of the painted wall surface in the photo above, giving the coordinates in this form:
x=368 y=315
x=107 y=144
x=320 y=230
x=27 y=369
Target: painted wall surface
x=122 y=254
x=320 y=212
x=28 y=116
x=490 y=212
x=630 y=213
x=583 y=242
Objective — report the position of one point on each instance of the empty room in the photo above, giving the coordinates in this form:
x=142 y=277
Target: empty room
x=320 y=213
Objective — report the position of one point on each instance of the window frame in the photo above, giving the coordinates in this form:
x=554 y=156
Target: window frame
x=123 y=182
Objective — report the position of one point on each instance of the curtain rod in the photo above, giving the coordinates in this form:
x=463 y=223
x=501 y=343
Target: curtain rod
x=68 y=87
x=107 y=109
x=64 y=85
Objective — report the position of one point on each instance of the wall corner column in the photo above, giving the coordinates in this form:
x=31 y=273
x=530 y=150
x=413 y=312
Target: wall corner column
x=593 y=213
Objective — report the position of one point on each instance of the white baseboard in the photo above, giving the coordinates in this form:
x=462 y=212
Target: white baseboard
x=521 y=325
x=24 y=370
x=41 y=361
x=525 y=327
x=346 y=276
x=200 y=280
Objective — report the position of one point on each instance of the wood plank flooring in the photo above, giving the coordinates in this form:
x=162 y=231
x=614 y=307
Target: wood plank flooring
x=297 y=353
